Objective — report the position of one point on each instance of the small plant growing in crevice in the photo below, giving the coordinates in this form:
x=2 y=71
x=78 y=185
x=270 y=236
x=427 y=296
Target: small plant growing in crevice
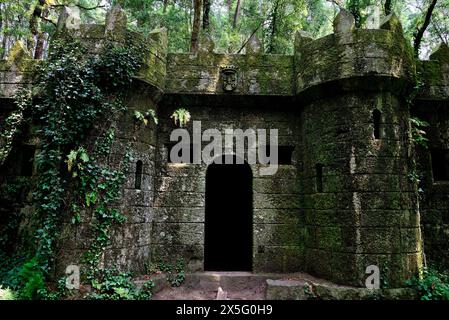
x=14 y=122
x=112 y=285
x=144 y=118
x=432 y=285
x=175 y=273
x=6 y=294
x=308 y=291
x=418 y=132
x=181 y=117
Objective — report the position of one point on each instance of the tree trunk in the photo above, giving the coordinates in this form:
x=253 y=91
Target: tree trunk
x=206 y=10
x=5 y=37
x=164 y=10
x=270 y=48
x=194 y=40
x=229 y=8
x=237 y=13
x=41 y=37
x=1 y=30
x=387 y=7
x=40 y=46
x=420 y=33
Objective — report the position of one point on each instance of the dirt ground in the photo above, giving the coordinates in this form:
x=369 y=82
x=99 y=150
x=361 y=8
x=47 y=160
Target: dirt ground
x=183 y=293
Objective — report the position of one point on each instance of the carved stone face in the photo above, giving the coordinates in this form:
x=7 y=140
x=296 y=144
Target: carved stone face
x=229 y=76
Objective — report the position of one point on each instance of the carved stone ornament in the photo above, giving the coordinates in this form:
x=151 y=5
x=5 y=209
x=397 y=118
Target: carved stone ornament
x=229 y=78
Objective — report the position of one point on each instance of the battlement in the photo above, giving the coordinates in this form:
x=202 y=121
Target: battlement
x=348 y=59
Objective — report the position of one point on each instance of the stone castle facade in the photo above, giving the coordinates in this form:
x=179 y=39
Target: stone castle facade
x=342 y=198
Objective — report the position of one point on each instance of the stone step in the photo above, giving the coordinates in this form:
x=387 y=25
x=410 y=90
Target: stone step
x=228 y=281
x=323 y=290
x=288 y=290
x=269 y=286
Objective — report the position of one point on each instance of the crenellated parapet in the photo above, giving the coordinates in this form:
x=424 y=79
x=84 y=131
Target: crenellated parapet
x=354 y=59
x=207 y=72
x=434 y=75
x=348 y=59
x=115 y=30
x=15 y=70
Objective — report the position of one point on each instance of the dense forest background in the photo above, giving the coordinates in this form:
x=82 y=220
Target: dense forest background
x=230 y=23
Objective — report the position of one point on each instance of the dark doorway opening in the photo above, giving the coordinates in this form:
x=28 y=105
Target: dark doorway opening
x=228 y=243
x=27 y=161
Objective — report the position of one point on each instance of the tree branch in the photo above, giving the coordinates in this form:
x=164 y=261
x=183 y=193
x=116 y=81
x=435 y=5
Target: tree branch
x=98 y=6
x=252 y=34
x=420 y=33
x=206 y=9
x=387 y=7
x=49 y=21
x=439 y=32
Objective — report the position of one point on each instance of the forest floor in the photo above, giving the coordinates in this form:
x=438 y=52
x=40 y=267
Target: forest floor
x=185 y=293
x=236 y=286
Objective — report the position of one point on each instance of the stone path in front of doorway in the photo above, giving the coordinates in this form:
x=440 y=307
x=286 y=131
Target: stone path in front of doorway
x=250 y=286
x=240 y=286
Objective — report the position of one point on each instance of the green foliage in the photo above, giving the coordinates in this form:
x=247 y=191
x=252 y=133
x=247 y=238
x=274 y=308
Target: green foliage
x=98 y=187
x=13 y=123
x=77 y=157
x=273 y=21
x=385 y=270
x=74 y=90
x=358 y=9
x=118 y=65
x=418 y=132
x=32 y=278
x=175 y=272
x=111 y=285
x=144 y=117
x=181 y=117
x=6 y=294
x=433 y=285
x=177 y=276
x=146 y=292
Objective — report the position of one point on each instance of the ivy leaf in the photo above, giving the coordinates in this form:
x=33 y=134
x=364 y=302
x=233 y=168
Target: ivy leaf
x=91 y=198
x=84 y=157
x=71 y=158
x=76 y=218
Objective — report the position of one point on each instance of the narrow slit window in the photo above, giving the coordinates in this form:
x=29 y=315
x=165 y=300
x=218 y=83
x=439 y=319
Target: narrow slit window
x=440 y=165
x=376 y=120
x=27 y=161
x=138 y=179
x=319 y=177
x=285 y=155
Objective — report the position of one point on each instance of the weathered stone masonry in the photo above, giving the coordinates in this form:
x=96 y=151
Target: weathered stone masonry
x=343 y=201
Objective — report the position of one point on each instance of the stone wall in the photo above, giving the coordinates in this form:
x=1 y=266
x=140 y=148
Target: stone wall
x=434 y=198
x=180 y=199
x=130 y=241
x=366 y=213
x=433 y=107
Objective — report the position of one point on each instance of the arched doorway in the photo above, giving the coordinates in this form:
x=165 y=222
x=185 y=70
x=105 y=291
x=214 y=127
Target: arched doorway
x=229 y=219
